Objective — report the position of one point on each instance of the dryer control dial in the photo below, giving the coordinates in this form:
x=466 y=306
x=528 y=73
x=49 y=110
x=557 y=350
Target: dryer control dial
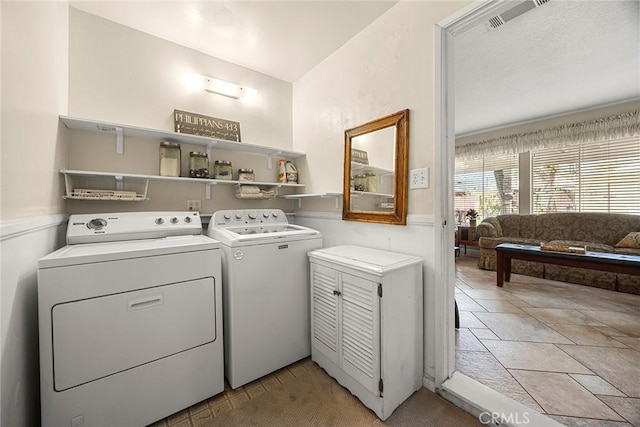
x=238 y=215
x=275 y=214
x=97 y=224
x=253 y=215
x=159 y=221
x=227 y=216
x=266 y=214
x=174 y=220
x=187 y=219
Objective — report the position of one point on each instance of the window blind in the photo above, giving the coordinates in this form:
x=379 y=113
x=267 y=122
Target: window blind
x=489 y=185
x=598 y=176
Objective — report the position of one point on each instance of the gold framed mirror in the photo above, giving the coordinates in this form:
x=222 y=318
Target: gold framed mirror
x=375 y=170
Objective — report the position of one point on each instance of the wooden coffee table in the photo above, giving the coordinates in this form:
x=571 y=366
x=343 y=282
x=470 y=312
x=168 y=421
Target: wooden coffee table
x=615 y=263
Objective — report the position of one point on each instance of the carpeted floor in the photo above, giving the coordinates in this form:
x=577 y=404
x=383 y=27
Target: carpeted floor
x=304 y=395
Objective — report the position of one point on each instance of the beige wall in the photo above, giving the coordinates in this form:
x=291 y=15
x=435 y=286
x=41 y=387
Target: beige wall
x=34 y=92
x=34 y=86
x=386 y=68
x=121 y=75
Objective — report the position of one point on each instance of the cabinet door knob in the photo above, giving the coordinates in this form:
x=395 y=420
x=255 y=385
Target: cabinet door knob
x=337 y=293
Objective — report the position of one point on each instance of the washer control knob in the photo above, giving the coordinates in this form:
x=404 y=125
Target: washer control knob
x=275 y=214
x=265 y=214
x=174 y=220
x=159 y=221
x=227 y=216
x=187 y=219
x=238 y=215
x=97 y=224
x=253 y=215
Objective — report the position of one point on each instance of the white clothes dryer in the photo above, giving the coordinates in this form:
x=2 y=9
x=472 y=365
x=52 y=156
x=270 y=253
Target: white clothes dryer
x=265 y=282
x=130 y=320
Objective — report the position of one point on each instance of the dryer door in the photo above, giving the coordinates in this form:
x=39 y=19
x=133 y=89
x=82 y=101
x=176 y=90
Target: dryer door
x=97 y=337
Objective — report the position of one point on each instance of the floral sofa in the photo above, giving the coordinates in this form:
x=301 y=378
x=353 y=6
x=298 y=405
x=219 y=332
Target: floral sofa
x=600 y=232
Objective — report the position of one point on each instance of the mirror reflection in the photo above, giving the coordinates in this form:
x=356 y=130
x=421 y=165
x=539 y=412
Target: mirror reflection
x=375 y=170
x=372 y=170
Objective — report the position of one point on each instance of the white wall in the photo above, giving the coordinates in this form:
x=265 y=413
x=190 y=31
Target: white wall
x=384 y=69
x=22 y=243
x=121 y=75
x=34 y=92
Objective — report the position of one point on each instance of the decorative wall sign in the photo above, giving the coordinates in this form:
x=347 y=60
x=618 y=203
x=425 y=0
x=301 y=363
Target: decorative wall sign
x=198 y=124
x=359 y=156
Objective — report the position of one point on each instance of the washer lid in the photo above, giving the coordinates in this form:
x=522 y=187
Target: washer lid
x=112 y=251
x=260 y=235
x=365 y=259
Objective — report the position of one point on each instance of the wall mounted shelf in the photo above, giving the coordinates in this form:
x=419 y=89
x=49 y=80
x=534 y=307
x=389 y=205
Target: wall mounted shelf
x=299 y=197
x=121 y=177
x=121 y=131
x=360 y=168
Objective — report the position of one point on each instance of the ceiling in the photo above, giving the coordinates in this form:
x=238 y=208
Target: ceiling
x=562 y=56
x=283 y=39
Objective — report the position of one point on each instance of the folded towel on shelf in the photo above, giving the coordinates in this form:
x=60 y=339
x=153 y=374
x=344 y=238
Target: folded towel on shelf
x=269 y=193
x=248 y=189
x=249 y=196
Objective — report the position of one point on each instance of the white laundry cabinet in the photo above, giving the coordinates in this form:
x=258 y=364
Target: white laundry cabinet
x=366 y=322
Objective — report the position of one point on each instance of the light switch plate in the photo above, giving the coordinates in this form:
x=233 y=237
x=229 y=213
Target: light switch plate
x=419 y=178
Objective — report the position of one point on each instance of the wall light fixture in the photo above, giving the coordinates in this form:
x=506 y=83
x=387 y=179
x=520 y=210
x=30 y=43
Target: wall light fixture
x=222 y=87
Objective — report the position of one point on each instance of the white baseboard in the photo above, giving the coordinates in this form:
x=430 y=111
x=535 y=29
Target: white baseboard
x=429 y=383
x=490 y=406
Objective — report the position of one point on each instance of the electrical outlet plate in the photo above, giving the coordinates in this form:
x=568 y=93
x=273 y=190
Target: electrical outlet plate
x=194 y=205
x=419 y=178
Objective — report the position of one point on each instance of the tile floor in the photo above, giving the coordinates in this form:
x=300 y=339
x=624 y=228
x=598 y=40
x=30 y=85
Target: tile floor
x=230 y=399
x=569 y=351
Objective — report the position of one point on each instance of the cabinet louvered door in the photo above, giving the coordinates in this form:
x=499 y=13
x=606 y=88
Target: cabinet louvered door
x=324 y=306
x=360 y=331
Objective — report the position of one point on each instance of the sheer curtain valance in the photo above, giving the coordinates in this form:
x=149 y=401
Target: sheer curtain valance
x=611 y=127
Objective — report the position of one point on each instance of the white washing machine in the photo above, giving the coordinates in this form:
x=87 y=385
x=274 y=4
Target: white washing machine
x=265 y=282
x=130 y=320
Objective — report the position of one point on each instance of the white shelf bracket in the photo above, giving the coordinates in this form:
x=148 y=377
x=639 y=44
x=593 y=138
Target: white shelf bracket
x=207 y=190
x=119 y=183
x=210 y=147
x=338 y=201
x=119 y=140
x=67 y=185
x=270 y=159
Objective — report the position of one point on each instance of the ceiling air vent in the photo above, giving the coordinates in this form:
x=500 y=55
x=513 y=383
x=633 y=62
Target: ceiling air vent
x=514 y=12
x=495 y=22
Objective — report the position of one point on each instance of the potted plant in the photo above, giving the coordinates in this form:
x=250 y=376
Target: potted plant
x=472 y=216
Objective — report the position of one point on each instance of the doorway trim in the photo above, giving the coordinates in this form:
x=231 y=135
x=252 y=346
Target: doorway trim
x=465 y=392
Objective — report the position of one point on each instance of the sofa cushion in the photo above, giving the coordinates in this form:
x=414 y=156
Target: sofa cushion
x=586 y=226
x=631 y=240
x=591 y=246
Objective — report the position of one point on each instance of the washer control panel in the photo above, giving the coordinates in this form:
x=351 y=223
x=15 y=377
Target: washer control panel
x=88 y=228
x=250 y=216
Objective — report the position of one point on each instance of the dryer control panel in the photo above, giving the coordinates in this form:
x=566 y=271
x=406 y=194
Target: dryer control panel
x=111 y=227
x=229 y=218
